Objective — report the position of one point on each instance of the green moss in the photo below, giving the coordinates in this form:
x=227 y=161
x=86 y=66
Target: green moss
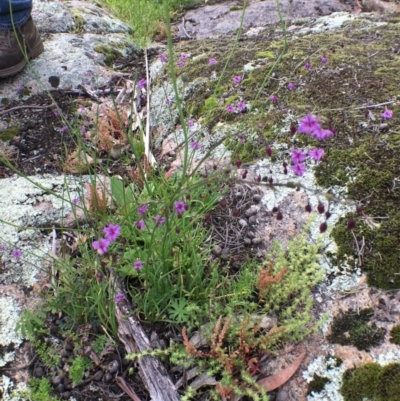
x=361 y=383
x=9 y=133
x=266 y=54
x=395 y=335
x=110 y=52
x=373 y=382
x=209 y=104
x=382 y=245
x=235 y=8
x=40 y=390
x=5 y=101
x=24 y=92
x=352 y=328
x=79 y=21
x=389 y=382
x=317 y=384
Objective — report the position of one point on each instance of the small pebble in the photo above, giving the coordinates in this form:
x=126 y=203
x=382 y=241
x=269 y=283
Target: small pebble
x=65 y=395
x=247 y=241
x=171 y=153
x=238 y=194
x=257 y=198
x=113 y=367
x=217 y=250
x=243 y=223
x=56 y=380
x=251 y=235
x=383 y=127
x=249 y=212
x=64 y=353
x=253 y=219
x=60 y=388
x=256 y=241
x=68 y=385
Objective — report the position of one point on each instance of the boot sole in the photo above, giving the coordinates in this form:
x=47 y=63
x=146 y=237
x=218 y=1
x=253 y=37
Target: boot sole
x=35 y=51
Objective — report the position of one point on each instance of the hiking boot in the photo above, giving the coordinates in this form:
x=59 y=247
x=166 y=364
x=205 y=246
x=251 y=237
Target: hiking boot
x=13 y=49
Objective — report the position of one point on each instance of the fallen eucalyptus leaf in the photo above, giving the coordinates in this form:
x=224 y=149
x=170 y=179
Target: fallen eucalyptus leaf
x=278 y=379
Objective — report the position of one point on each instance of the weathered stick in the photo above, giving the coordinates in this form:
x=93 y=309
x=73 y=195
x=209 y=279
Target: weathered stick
x=152 y=372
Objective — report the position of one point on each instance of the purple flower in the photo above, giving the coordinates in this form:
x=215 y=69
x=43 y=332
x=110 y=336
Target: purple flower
x=195 y=145
x=184 y=57
x=190 y=123
x=75 y=201
x=16 y=253
x=101 y=245
x=138 y=265
x=273 y=98
x=56 y=112
x=180 y=207
x=140 y=225
x=143 y=209
x=168 y=100
x=237 y=79
x=298 y=156
x=64 y=129
x=2 y=247
x=241 y=138
x=212 y=61
x=307 y=65
x=163 y=58
x=230 y=108
x=388 y=114
x=317 y=154
x=119 y=297
x=83 y=129
x=322 y=134
x=291 y=86
x=81 y=107
x=298 y=169
x=324 y=60
x=181 y=64
x=112 y=232
x=159 y=220
x=241 y=106
x=308 y=124
x=142 y=83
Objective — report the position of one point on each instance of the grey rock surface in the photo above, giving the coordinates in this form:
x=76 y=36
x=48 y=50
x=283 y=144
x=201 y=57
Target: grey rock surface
x=220 y=19
x=77 y=37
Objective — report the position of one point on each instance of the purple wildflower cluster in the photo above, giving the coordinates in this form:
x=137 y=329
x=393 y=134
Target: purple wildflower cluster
x=195 y=145
x=240 y=106
x=310 y=126
x=387 y=114
x=142 y=83
x=180 y=207
x=112 y=232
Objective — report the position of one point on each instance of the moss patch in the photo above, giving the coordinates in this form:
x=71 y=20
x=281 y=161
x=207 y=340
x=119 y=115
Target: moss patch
x=317 y=384
x=110 y=52
x=395 y=335
x=9 y=133
x=373 y=382
x=352 y=328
